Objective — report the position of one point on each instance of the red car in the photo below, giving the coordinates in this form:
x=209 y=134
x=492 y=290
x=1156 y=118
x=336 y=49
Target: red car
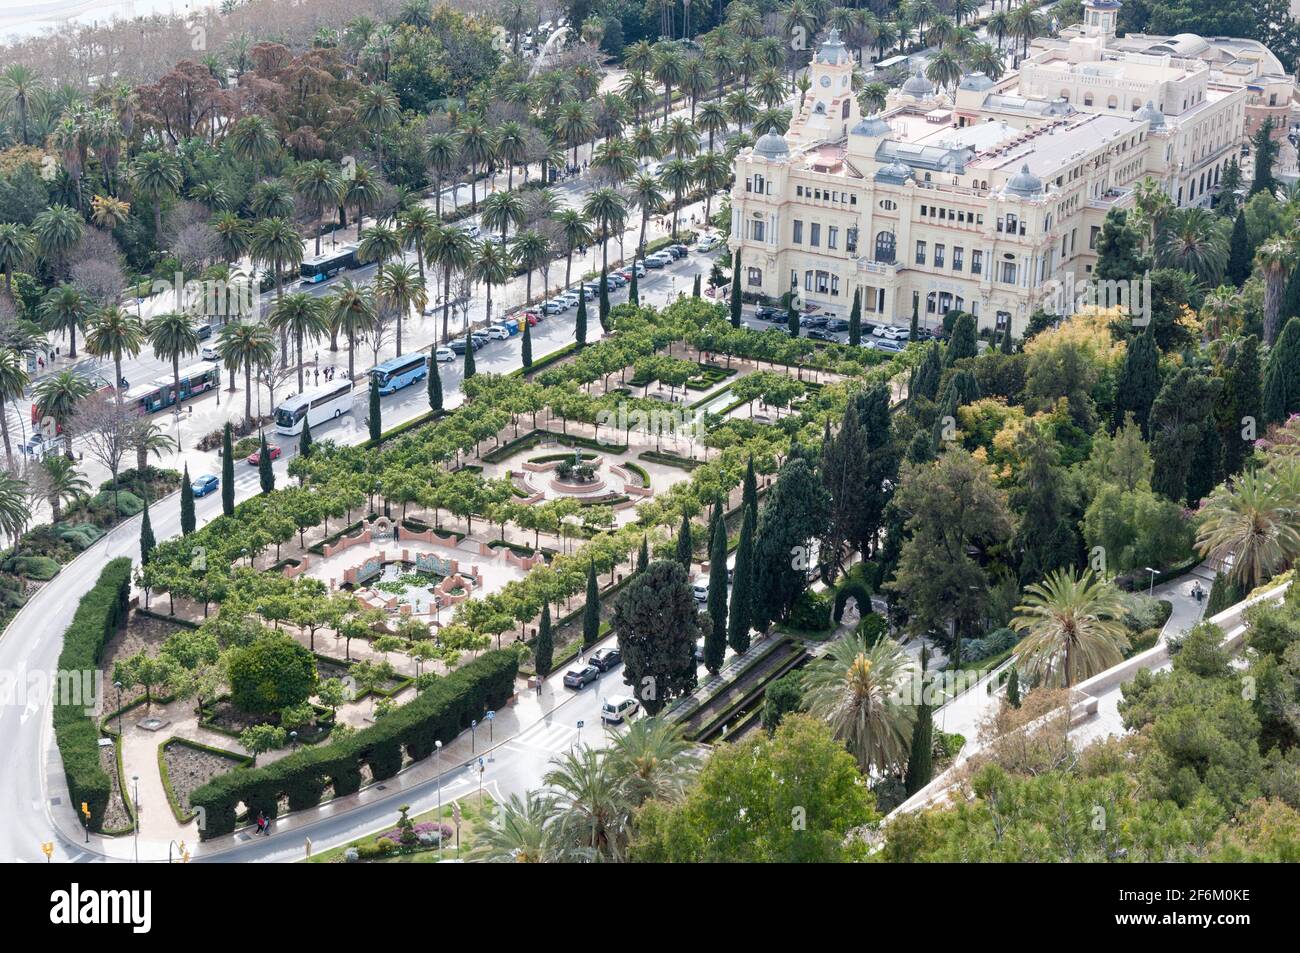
x=255 y=457
x=533 y=318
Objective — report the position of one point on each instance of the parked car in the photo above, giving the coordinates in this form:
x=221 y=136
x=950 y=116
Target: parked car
x=820 y=334
x=457 y=346
x=581 y=677
x=770 y=314
x=532 y=317
x=209 y=352
x=617 y=280
x=255 y=457
x=657 y=260
x=615 y=709
x=605 y=659
x=497 y=332
x=204 y=331
x=813 y=321
x=444 y=354
x=472 y=230
x=888 y=346
x=553 y=307
x=699 y=651
x=480 y=338
x=837 y=324
x=708 y=243
x=678 y=251
x=205 y=484
x=701 y=591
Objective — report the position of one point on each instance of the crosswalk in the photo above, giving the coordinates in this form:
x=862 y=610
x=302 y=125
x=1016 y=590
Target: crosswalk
x=551 y=736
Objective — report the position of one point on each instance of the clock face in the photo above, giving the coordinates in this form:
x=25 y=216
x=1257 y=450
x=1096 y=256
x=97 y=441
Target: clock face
x=826 y=81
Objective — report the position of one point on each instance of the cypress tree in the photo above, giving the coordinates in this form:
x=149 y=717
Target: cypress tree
x=264 y=472
x=749 y=495
x=435 y=382
x=1013 y=688
x=1282 y=375
x=304 y=441
x=527 y=354
x=1240 y=402
x=580 y=324
x=544 y=649
x=735 y=289
x=963 y=341
x=1139 y=380
x=604 y=300
x=920 y=763
x=377 y=424
x=792 y=318
x=715 y=640
x=633 y=295
x=684 y=546
x=715 y=517
x=1240 y=253
x=855 y=319
x=695 y=291
x=929 y=372
x=470 y=367
x=147 y=541
x=1291 y=295
x=914 y=329
x=643 y=557
x=591 y=611
x=227 y=472
x=1265 y=151
x=741 y=610
x=188 y=522
x=1007 y=346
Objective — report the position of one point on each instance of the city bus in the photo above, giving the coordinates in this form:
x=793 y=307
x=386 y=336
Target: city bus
x=892 y=70
x=316 y=404
x=319 y=267
x=153 y=397
x=396 y=373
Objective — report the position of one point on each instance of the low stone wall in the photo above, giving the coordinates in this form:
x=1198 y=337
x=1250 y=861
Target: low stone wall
x=524 y=562
x=577 y=489
x=429 y=535
x=303 y=562
x=347 y=542
x=594 y=461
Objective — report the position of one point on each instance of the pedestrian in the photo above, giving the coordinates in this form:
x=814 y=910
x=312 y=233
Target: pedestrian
x=317 y=377
x=261 y=822
x=539 y=686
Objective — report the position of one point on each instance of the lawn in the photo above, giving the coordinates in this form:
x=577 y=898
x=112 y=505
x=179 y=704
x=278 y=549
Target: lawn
x=472 y=816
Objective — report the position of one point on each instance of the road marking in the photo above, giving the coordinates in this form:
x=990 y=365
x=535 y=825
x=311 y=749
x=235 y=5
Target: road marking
x=546 y=737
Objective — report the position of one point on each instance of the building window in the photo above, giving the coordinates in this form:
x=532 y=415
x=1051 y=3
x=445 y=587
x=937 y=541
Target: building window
x=938 y=256
x=755 y=277
x=1003 y=320
x=807 y=281
x=835 y=284
x=957 y=253
x=920 y=253
x=885 y=247
x=815 y=235
x=1092 y=237
x=1008 y=272
x=976 y=262
x=851 y=241
x=823 y=282
x=758 y=184
x=798 y=232
x=832 y=237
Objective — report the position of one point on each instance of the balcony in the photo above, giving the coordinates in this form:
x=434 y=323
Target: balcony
x=1111 y=198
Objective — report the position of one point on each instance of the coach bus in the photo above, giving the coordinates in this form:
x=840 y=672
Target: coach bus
x=316 y=405
x=400 y=371
x=319 y=267
x=153 y=397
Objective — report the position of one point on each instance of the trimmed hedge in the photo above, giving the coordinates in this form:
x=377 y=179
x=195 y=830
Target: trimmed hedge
x=438 y=713
x=98 y=615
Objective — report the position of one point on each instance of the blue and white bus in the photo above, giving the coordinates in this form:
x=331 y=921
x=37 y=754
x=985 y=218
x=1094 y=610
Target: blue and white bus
x=327 y=265
x=397 y=372
x=317 y=404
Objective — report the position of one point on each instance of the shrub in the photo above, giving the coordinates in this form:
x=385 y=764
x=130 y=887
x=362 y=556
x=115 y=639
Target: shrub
x=39 y=568
x=857 y=590
x=98 y=615
x=273 y=673
x=811 y=612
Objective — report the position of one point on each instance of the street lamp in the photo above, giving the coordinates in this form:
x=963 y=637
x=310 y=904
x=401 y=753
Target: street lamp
x=437 y=767
x=135 y=801
x=118 y=686
x=1152 y=586
x=490 y=716
x=473 y=726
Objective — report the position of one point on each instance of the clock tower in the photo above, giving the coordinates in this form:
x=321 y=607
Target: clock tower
x=830 y=108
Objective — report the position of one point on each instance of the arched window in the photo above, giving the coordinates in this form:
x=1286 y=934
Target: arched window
x=1112 y=102
x=885 y=247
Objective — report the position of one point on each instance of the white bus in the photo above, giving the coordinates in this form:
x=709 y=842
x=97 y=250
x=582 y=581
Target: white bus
x=317 y=404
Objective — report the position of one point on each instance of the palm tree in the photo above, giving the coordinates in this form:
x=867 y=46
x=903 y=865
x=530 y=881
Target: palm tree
x=318 y=183
x=17 y=249
x=376 y=112
x=712 y=120
x=452 y=250
x=532 y=250
x=149 y=436
x=871 y=98
x=614 y=161
x=575 y=125
x=669 y=70
x=681 y=138
x=57 y=230
x=253 y=139
x=646 y=193
x=1274 y=261
x=502 y=210
x=19 y=86
x=275 y=242
x=232 y=235
x=114 y=331
x=983 y=58
x=637 y=93
x=512 y=148
x=58 y=398
x=477 y=146
x=608 y=210
x=62 y=311
x=944 y=68
x=302 y=315
x=678 y=176
x=1193 y=239
x=62 y=484
x=741 y=108
x=1223 y=306
x=173 y=335
x=853 y=688
x=13 y=382
x=1026 y=23
x=362 y=191
x=414 y=226
x=574 y=233
x=523 y=830
x=713 y=172
x=155 y=176
x=246 y=345
x=646 y=144
x=400 y=287
x=379 y=243
x=492 y=265
x=697 y=79
x=15 y=514
x=999 y=24
x=1251 y=523
x=593 y=809
x=1073 y=627
x=652 y=761
x=352 y=311
x=442 y=152
x=211 y=195
x=271 y=199
x=770 y=87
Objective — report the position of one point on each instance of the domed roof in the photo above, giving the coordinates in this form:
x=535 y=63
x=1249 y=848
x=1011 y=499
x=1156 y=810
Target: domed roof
x=832 y=49
x=772 y=146
x=1025 y=182
x=1152 y=115
x=896 y=173
x=872 y=126
x=976 y=81
x=917 y=86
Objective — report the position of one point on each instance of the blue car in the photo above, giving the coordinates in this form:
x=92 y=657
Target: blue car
x=205 y=484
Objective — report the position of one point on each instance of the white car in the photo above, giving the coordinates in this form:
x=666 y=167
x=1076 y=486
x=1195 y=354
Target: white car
x=554 y=306
x=569 y=299
x=497 y=333
x=444 y=354
x=209 y=353
x=701 y=591
x=708 y=243
x=890 y=333
x=472 y=230
x=617 y=708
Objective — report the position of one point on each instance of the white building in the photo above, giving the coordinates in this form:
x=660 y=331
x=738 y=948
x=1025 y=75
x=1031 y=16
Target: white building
x=973 y=199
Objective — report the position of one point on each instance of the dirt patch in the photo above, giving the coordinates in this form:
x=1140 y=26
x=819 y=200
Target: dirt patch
x=188 y=769
x=141 y=632
x=224 y=715
x=116 y=816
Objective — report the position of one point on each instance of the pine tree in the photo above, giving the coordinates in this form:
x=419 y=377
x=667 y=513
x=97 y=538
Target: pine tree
x=147 y=541
x=376 y=423
x=1013 y=688
x=1240 y=403
x=591 y=611
x=580 y=324
x=749 y=495
x=633 y=294
x=304 y=441
x=604 y=300
x=1240 y=252
x=1139 y=380
x=643 y=556
x=227 y=472
x=684 y=546
x=471 y=367
x=695 y=290
x=1226 y=201
x=715 y=639
x=264 y=472
x=1118 y=244
x=435 y=382
x=855 y=319
x=741 y=610
x=544 y=648
x=735 y=289
x=188 y=522
x=527 y=355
